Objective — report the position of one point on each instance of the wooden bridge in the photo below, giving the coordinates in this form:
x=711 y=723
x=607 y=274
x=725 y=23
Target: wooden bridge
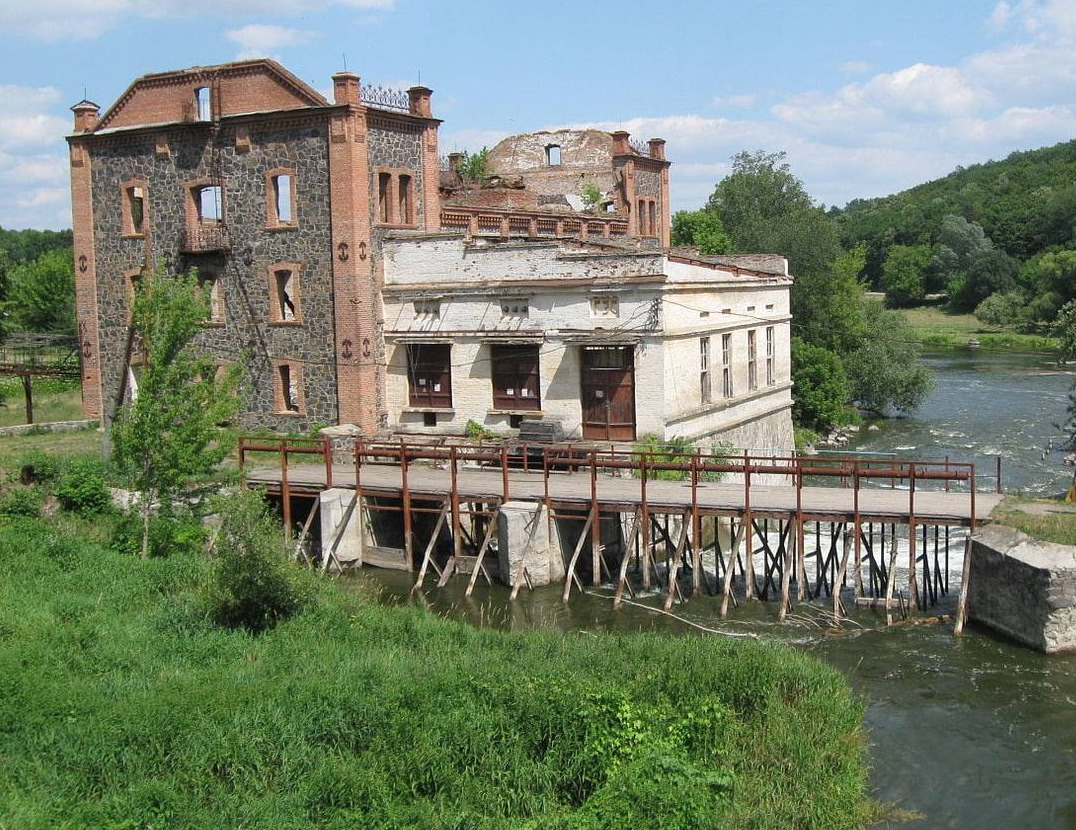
x=716 y=520
x=28 y=355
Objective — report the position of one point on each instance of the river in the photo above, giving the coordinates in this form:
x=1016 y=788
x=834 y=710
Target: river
x=971 y=733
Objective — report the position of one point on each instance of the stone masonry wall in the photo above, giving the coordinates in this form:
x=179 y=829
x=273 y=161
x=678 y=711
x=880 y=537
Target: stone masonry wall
x=205 y=151
x=1024 y=588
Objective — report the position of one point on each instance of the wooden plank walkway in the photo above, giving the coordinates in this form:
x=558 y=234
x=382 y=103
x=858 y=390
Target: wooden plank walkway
x=878 y=504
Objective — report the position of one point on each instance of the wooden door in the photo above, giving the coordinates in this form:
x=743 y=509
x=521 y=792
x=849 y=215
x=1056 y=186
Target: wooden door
x=608 y=393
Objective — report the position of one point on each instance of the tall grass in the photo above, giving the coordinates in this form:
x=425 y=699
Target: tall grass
x=123 y=706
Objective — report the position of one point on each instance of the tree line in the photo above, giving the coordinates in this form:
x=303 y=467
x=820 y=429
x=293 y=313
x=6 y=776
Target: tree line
x=37 y=282
x=847 y=351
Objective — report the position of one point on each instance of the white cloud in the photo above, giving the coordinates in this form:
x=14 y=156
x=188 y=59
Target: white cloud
x=54 y=20
x=257 y=40
x=734 y=101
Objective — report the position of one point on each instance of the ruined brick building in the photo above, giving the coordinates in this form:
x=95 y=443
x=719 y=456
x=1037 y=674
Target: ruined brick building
x=362 y=281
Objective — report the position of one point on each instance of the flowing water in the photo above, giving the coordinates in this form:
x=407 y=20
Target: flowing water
x=971 y=733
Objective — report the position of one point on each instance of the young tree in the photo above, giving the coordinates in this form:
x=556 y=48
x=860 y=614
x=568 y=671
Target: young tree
x=700 y=229
x=820 y=389
x=171 y=431
x=904 y=275
x=884 y=371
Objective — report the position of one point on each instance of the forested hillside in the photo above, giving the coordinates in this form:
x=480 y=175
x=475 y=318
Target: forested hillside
x=1002 y=227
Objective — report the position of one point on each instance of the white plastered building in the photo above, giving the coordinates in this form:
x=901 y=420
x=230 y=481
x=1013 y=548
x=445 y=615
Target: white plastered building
x=610 y=343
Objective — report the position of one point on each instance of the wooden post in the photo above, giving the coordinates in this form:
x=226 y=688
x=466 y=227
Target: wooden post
x=427 y=556
x=645 y=508
x=674 y=568
x=28 y=391
x=696 y=531
x=454 y=503
x=327 y=454
x=962 y=603
x=913 y=579
x=786 y=574
x=570 y=575
x=285 y=490
x=801 y=563
x=726 y=590
x=596 y=525
x=478 y=566
x=405 y=504
x=749 y=553
x=624 y=560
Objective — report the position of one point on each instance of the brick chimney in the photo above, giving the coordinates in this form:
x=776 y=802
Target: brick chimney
x=419 y=100
x=621 y=147
x=86 y=115
x=455 y=161
x=346 y=89
x=657 y=148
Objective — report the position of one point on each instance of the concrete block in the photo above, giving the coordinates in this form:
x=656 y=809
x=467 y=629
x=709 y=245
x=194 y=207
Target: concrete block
x=523 y=536
x=1023 y=588
x=333 y=505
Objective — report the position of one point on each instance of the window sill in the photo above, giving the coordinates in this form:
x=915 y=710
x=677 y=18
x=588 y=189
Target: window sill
x=441 y=410
x=131 y=235
x=537 y=412
x=397 y=225
x=287 y=324
x=289 y=413
x=283 y=226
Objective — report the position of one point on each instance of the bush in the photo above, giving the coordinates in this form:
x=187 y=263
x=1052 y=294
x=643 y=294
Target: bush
x=168 y=535
x=21 y=501
x=37 y=466
x=81 y=488
x=255 y=586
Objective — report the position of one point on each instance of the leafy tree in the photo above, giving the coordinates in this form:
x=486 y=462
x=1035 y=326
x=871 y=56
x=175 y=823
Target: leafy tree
x=170 y=432
x=884 y=371
x=971 y=266
x=1064 y=330
x=904 y=275
x=42 y=293
x=827 y=308
x=760 y=188
x=592 y=196
x=820 y=389
x=700 y=229
x=1004 y=309
x=28 y=245
x=475 y=166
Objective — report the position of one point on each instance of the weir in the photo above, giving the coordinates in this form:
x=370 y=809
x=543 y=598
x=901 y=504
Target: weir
x=738 y=527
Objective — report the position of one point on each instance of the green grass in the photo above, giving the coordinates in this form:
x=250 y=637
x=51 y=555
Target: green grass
x=122 y=706
x=1048 y=520
x=54 y=400
x=933 y=326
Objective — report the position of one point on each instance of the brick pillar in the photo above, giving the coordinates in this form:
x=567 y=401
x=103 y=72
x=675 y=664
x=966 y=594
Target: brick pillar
x=85 y=278
x=622 y=149
x=419 y=104
x=657 y=152
x=356 y=304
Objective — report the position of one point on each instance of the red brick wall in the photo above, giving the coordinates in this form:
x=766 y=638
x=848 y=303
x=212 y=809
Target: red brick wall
x=85 y=280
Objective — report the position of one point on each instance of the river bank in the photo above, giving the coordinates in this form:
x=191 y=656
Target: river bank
x=934 y=328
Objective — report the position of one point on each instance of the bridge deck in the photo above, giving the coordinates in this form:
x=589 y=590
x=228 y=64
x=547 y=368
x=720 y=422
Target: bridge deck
x=879 y=504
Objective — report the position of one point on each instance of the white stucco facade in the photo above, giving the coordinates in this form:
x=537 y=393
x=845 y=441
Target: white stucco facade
x=561 y=304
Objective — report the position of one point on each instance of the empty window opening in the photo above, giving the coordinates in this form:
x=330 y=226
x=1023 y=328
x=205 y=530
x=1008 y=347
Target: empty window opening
x=771 y=353
x=289 y=390
x=208 y=199
x=643 y=230
x=769 y=306
x=726 y=365
x=514 y=370
x=552 y=155
x=429 y=419
x=752 y=362
x=287 y=298
x=203 y=103
x=404 y=185
x=704 y=369
x=383 y=186
x=652 y=222
x=136 y=208
x=429 y=375
x=282 y=197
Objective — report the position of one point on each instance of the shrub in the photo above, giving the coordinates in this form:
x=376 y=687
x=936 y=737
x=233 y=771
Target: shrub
x=255 y=586
x=37 y=466
x=168 y=535
x=21 y=501
x=81 y=488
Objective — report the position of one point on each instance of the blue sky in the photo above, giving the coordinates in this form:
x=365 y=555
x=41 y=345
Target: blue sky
x=866 y=97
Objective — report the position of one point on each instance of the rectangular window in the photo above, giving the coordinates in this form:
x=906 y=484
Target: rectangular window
x=643 y=231
x=429 y=375
x=383 y=188
x=282 y=194
x=203 y=103
x=704 y=368
x=209 y=203
x=288 y=390
x=286 y=296
x=552 y=155
x=515 y=377
x=652 y=223
x=752 y=361
x=604 y=306
x=404 y=216
x=771 y=376
x=136 y=210
x=726 y=365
